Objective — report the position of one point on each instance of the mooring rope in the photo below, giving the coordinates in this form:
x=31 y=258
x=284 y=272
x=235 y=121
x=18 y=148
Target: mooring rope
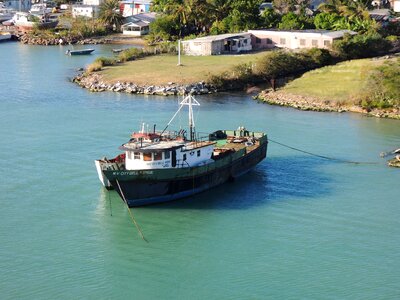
x=323 y=156
x=130 y=213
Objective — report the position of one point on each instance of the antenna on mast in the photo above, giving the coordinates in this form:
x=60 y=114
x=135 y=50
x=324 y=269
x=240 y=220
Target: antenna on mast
x=189 y=101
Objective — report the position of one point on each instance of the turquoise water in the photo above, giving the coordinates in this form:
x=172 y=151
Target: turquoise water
x=296 y=227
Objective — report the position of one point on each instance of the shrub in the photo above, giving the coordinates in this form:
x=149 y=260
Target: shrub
x=382 y=88
x=130 y=54
x=361 y=46
x=105 y=61
x=94 y=67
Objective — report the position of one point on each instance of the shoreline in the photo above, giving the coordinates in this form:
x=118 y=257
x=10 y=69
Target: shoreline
x=114 y=38
x=309 y=103
x=94 y=83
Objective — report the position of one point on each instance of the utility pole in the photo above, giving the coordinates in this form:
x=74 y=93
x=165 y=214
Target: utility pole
x=179 y=53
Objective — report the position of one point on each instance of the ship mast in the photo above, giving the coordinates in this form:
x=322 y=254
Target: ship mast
x=189 y=101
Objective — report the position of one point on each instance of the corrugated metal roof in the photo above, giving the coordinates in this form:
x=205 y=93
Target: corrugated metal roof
x=219 y=37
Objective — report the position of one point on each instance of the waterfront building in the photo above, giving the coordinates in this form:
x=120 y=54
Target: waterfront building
x=88 y=8
x=295 y=39
x=134 y=7
x=218 y=44
x=138 y=25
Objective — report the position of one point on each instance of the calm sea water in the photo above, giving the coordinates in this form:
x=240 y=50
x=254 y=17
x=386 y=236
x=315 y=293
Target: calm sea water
x=296 y=227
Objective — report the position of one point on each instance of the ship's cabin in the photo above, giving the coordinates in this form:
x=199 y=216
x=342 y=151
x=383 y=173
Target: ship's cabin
x=167 y=154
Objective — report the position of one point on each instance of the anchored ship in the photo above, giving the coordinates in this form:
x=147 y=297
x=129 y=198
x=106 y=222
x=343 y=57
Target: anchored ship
x=156 y=167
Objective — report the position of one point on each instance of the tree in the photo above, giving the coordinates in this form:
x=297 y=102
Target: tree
x=276 y=64
x=382 y=87
x=292 y=21
x=270 y=18
x=326 y=20
x=284 y=6
x=109 y=14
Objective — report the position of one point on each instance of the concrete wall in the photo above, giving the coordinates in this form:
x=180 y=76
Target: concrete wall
x=197 y=48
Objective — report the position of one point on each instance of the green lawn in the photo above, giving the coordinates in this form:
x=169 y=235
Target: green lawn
x=341 y=82
x=161 y=69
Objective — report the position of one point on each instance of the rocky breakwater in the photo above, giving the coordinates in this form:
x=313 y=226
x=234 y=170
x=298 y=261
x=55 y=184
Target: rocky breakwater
x=48 y=41
x=95 y=83
x=314 y=104
x=297 y=101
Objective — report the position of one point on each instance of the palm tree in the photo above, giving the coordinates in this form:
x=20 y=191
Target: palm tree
x=110 y=14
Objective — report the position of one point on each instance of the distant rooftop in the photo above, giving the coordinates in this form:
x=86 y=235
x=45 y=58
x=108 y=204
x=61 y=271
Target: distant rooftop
x=144 y=17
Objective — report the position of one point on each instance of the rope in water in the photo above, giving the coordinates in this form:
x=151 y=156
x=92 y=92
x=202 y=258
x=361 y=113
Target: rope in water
x=130 y=213
x=322 y=156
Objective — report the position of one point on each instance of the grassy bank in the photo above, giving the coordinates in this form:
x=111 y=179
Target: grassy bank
x=339 y=83
x=346 y=86
x=161 y=69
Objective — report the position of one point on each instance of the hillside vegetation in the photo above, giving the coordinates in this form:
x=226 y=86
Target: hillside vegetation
x=366 y=82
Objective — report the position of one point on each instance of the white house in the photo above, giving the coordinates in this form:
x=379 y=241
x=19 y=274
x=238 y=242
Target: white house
x=295 y=39
x=218 y=44
x=137 y=28
x=138 y=25
x=88 y=8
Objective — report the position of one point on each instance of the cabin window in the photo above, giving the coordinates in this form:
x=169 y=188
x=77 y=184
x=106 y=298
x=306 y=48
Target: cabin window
x=184 y=157
x=198 y=152
x=147 y=156
x=167 y=155
x=136 y=155
x=157 y=155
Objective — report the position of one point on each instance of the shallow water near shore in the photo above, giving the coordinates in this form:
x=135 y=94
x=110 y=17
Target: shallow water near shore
x=295 y=227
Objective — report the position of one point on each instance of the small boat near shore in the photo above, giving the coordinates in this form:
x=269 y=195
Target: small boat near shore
x=79 y=52
x=157 y=167
x=117 y=50
x=5 y=36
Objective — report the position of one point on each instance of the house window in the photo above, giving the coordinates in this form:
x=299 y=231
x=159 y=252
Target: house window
x=147 y=156
x=157 y=155
x=327 y=43
x=184 y=157
x=198 y=153
x=283 y=41
x=136 y=155
x=314 y=43
x=167 y=155
x=269 y=41
x=258 y=40
x=302 y=42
